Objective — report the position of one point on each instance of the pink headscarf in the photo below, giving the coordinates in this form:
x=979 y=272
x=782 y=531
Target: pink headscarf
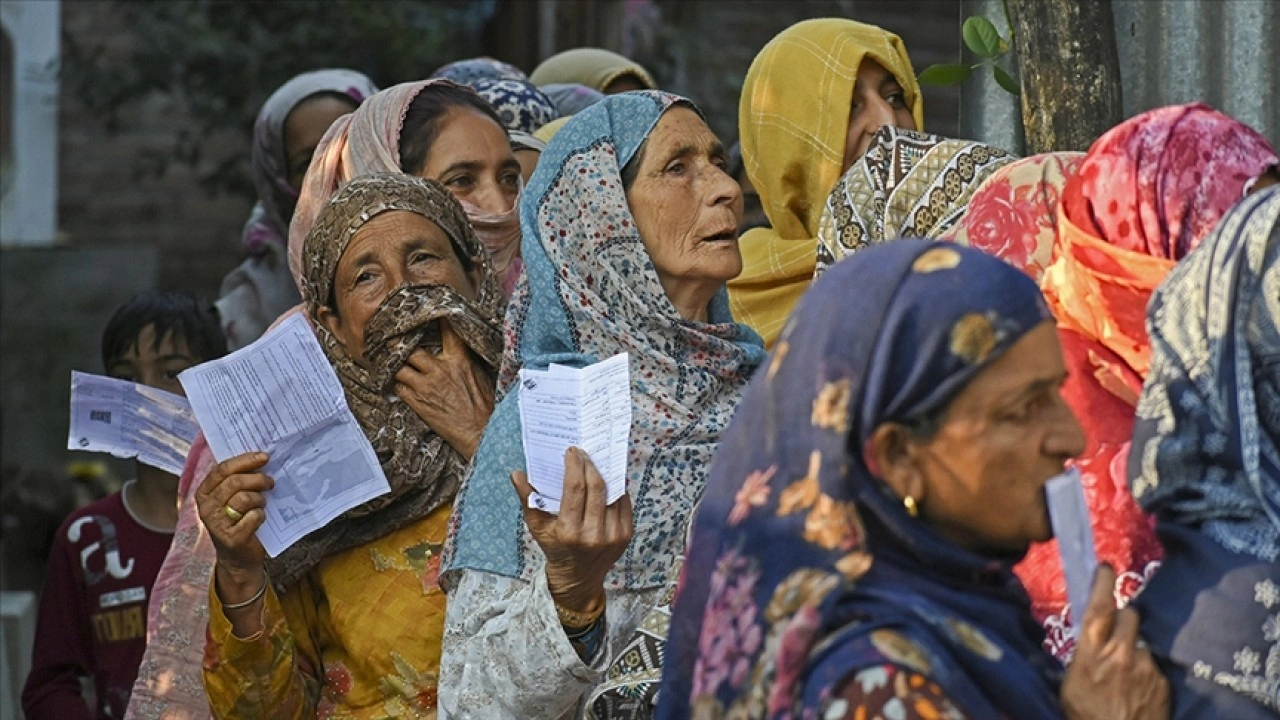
x=367 y=142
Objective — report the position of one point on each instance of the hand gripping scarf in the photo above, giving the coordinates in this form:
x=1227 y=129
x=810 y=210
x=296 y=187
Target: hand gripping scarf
x=589 y=292
x=423 y=470
x=1206 y=463
x=792 y=123
x=1146 y=194
x=803 y=566
x=908 y=184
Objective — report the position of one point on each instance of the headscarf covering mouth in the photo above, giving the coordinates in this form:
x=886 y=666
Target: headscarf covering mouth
x=424 y=471
x=793 y=118
x=588 y=292
x=594 y=67
x=269 y=223
x=1148 y=191
x=908 y=184
x=802 y=561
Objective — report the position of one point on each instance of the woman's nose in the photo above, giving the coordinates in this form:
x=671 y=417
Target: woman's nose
x=491 y=199
x=722 y=189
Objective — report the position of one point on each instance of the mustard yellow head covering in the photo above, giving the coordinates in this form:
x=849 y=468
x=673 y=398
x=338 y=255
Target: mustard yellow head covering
x=593 y=67
x=792 y=122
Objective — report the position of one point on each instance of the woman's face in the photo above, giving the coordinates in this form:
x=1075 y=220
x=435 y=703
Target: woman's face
x=471 y=156
x=392 y=249
x=304 y=126
x=878 y=100
x=982 y=475
x=686 y=206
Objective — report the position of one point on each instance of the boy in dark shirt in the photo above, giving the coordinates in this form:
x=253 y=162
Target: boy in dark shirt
x=106 y=555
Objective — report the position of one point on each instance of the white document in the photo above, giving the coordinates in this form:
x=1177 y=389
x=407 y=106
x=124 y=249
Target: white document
x=130 y=420
x=587 y=408
x=1069 y=514
x=281 y=396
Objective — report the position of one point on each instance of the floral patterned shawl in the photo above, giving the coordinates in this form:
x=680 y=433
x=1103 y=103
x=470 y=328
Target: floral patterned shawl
x=589 y=292
x=908 y=184
x=1206 y=463
x=1146 y=194
x=803 y=566
x=473 y=70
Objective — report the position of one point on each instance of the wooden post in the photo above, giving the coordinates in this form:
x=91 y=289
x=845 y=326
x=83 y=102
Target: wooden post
x=1070 y=72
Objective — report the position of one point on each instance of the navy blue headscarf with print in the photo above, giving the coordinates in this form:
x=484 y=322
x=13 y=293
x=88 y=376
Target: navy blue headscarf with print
x=803 y=566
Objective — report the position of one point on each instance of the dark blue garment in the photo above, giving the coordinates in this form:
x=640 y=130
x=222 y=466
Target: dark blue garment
x=803 y=566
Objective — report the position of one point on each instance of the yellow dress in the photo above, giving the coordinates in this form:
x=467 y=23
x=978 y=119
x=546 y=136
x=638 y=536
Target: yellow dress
x=358 y=637
x=792 y=120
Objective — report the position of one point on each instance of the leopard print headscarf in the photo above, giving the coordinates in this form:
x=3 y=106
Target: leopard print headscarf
x=423 y=470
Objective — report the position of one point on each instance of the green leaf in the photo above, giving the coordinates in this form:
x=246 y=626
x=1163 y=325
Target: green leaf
x=944 y=74
x=1006 y=80
x=981 y=37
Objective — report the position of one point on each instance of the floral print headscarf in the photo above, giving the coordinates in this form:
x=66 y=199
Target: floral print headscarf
x=803 y=566
x=590 y=291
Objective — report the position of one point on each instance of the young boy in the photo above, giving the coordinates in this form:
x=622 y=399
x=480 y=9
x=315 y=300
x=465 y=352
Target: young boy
x=106 y=555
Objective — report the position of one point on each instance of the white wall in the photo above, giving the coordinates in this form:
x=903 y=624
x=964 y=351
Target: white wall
x=28 y=208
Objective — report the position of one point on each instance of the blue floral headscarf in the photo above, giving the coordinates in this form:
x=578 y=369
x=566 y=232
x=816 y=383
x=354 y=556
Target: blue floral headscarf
x=472 y=70
x=590 y=291
x=1206 y=462
x=803 y=566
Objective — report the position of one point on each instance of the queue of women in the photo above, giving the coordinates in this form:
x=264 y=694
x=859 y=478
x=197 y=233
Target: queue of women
x=842 y=425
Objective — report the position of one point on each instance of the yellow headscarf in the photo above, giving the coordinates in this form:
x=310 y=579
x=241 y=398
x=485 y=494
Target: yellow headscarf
x=792 y=122
x=593 y=67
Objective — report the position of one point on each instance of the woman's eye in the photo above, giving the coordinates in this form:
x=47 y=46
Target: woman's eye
x=363 y=278
x=460 y=182
x=676 y=168
x=511 y=180
x=897 y=99
x=420 y=256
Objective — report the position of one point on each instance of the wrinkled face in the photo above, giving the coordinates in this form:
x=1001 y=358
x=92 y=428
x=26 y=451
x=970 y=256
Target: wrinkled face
x=154 y=364
x=1003 y=437
x=394 y=248
x=686 y=206
x=471 y=156
x=304 y=126
x=878 y=100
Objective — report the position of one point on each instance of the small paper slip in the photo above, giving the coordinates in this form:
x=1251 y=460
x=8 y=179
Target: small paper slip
x=588 y=408
x=130 y=420
x=281 y=396
x=1070 y=517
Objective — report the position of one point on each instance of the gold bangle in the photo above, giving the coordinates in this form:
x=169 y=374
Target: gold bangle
x=577 y=620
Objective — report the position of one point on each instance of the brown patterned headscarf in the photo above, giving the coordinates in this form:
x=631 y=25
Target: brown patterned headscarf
x=423 y=470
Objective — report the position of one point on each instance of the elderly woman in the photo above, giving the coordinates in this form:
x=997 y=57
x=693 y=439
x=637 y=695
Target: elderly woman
x=1206 y=463
x=432 y=128
x=285 y=136
x=390 y=262
x=1146 y=194
x=811 y=102
x=853 y=555
x=599 y=69
x=630 y=234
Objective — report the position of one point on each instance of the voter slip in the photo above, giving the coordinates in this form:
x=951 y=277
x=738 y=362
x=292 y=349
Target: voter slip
x=588 y=408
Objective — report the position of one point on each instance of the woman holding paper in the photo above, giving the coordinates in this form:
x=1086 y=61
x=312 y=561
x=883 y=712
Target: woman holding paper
x=630 y=233
x=853 y=555
x=348 y=619
x=1206 y=463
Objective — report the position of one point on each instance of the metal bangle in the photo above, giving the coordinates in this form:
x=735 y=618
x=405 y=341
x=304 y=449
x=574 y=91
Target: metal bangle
x=256 y=597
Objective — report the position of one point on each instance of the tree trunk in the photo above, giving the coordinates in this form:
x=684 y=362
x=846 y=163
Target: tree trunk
x=1070 y=72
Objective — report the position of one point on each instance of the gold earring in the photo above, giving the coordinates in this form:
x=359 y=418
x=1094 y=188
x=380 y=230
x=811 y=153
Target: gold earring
x=910 y=504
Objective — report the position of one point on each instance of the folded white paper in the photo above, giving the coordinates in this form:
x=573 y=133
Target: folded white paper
x=587 y=408
x=281 y=396
x=1069 y=514
x=129 y=420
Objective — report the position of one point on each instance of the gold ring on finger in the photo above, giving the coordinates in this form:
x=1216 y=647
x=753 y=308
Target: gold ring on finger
x=232 y=513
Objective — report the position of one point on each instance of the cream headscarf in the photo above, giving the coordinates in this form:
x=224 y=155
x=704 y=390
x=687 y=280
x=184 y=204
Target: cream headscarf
x=593 y=67
x=792 y=122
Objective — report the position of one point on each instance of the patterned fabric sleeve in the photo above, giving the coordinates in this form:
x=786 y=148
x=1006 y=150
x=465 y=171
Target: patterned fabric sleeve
x=273 y=674
x=890 y=691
